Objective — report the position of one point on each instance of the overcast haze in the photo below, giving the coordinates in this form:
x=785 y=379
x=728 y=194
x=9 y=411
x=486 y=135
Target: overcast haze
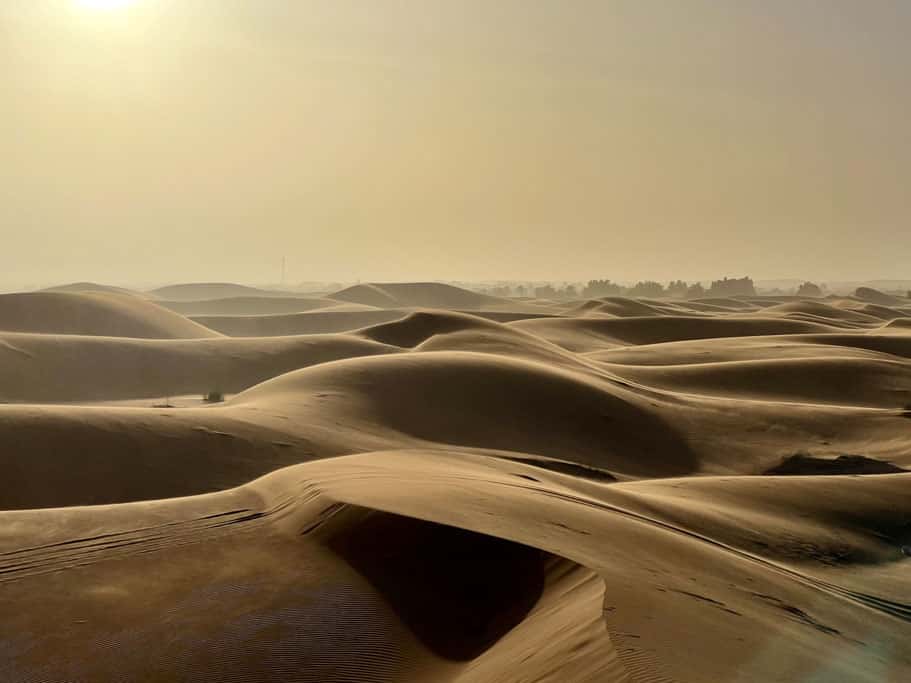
x=467 y=139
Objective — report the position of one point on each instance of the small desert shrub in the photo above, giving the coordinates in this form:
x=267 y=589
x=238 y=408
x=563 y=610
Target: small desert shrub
x=214 y=397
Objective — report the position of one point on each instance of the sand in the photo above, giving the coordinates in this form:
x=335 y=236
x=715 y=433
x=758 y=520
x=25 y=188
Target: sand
x=464 y=488
x=95 y=313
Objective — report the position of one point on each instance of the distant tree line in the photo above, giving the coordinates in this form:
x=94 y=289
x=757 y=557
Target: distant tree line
x=733 y=287
x=646 y=289
x=676 y=289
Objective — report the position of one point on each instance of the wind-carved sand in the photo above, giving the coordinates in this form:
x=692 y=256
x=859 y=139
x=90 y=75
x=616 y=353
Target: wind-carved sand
x=435 y=485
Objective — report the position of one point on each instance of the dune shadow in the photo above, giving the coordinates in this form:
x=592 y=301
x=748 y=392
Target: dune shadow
x=458 y=591
x=804 y=464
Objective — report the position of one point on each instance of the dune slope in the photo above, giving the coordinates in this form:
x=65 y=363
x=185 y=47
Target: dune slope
x=94 y=313
x=442 y=486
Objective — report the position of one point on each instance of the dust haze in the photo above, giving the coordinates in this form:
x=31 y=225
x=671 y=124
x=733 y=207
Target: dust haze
x=168 y=141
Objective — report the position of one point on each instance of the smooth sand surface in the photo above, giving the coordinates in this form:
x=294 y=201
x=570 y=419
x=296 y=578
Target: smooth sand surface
x=464 y=489
x=196 y=291
x=95 y=313
x=257 y=305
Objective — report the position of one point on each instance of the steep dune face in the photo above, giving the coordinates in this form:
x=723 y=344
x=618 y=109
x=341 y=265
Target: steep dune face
x=664 y=491
x=94 y=313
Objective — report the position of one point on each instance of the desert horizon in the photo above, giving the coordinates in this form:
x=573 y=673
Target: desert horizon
x=455 y=341
x=511 y=287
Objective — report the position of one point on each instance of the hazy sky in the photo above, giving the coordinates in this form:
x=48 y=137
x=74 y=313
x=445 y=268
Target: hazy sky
x=454 y=139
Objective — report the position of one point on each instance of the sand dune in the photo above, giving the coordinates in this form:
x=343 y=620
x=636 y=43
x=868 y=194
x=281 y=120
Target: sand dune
x=587 y=334
x=882 y=340
x=821 y=312
x=416 y=294
x=883 y=312
x=449 y=487
x=518 y=406
x=703 y=580
x=83 y=287
x=832 y=379
x=254 y=306
x=314 y=322
x=66 y=368
x=874 y=296
x=94 y=313
x=773 y=347
x=341 y=318
x=420 y=326
x=624 y=308
x=74 y=455
x=202 y=291
x=731 y=304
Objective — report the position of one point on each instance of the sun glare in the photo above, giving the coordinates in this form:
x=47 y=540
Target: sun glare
x=103 y=4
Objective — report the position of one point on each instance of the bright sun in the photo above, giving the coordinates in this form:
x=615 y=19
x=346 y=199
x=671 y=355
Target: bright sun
x=103 y=4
